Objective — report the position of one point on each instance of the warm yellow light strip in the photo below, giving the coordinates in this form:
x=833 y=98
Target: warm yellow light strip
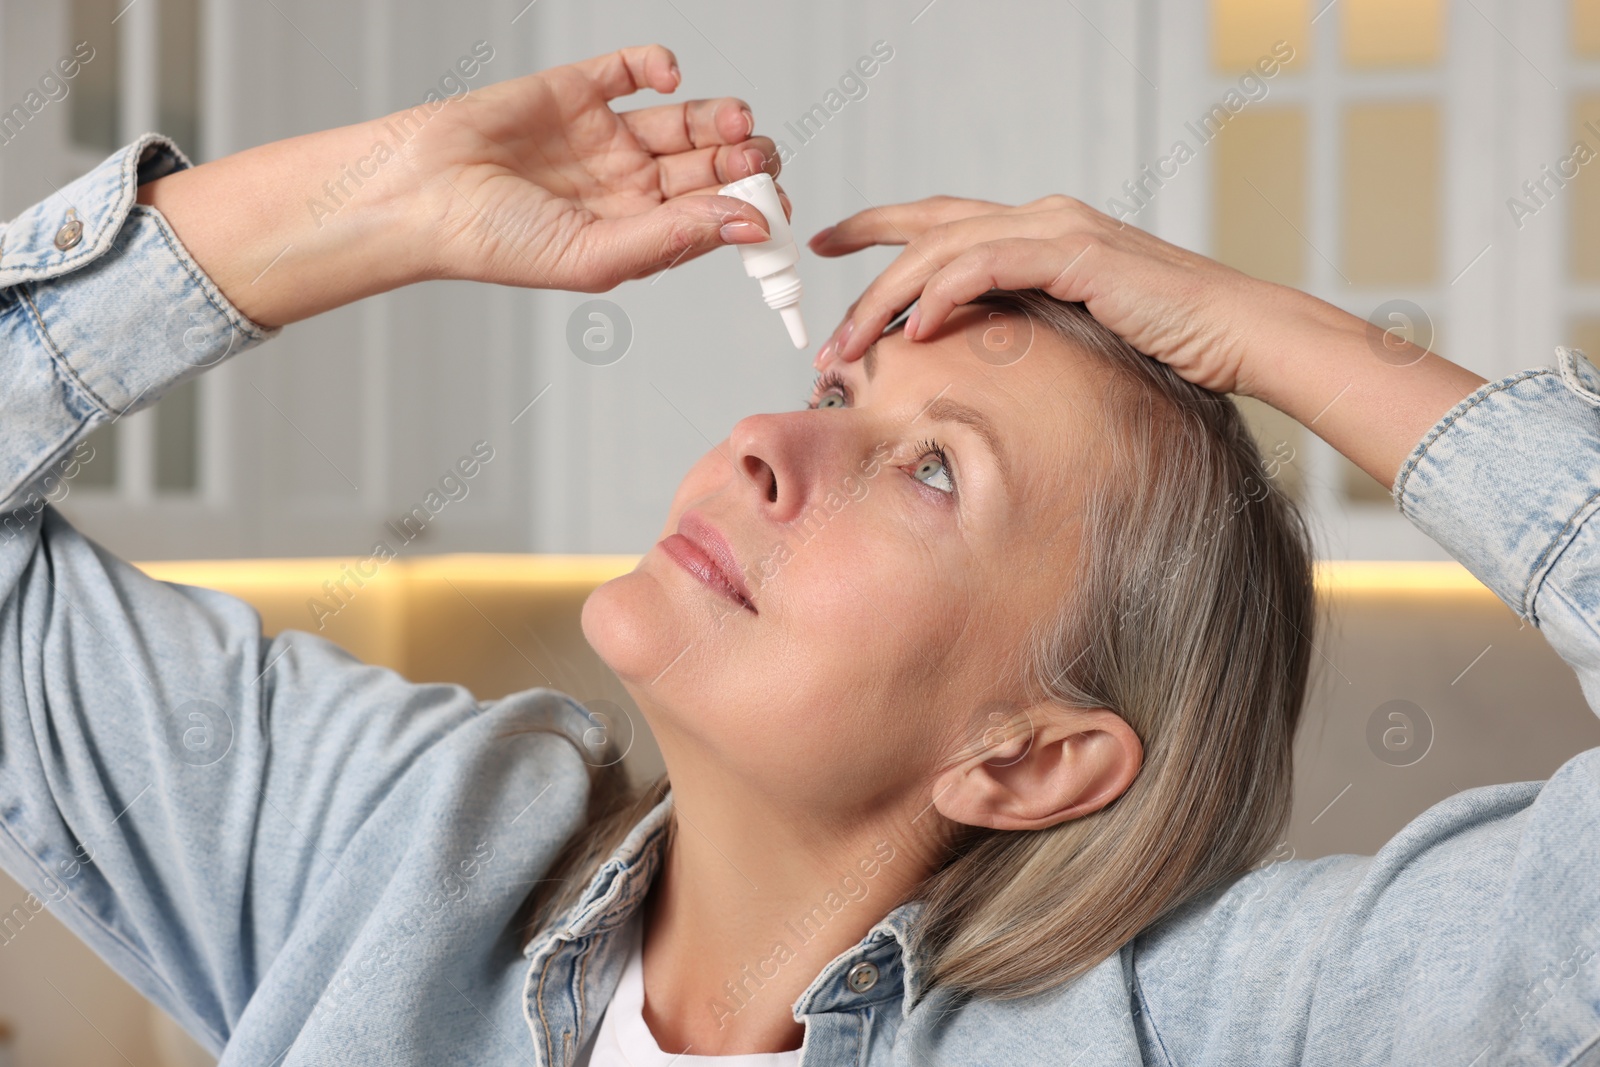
x=1382 y=576
x=583 y=570
x=1352 y=576
x=309 y=570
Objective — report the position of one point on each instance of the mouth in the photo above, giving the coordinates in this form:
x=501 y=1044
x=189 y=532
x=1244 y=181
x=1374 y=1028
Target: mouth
x=699 y=548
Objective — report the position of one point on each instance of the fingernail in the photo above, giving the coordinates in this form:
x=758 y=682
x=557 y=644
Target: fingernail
x=821 y=236
x=912 y=321
x=677 y=75
x=844 y=335
x=756 y=159
x=742 y=232
x=823 y=353
x=749 y=121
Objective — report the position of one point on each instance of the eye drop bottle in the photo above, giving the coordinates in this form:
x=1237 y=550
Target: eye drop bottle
x=772 y=260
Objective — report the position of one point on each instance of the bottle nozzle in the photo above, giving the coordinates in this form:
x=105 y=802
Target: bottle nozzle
x=772 y=260
x=796 y=324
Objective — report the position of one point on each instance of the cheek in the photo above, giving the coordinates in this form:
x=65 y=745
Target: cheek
x=872 y=572
x=868 y=623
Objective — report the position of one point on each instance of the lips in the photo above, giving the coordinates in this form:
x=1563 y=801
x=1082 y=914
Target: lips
x=702 y=550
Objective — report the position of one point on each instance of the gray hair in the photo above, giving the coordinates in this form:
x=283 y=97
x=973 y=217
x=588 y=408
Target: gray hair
x=1190 y=613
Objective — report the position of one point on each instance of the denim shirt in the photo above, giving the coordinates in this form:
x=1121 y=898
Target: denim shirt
x=306 y=860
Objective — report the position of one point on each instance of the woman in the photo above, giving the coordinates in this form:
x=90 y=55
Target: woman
x=975 y=678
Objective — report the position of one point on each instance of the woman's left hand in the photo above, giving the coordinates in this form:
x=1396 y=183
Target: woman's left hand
x=1216 y=327
x=1174 y=305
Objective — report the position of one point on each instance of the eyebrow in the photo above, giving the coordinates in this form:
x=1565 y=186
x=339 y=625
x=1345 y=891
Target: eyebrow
x=943 y=409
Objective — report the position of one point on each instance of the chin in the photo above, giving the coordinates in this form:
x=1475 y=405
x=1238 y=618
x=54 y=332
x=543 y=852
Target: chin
x=627 y=621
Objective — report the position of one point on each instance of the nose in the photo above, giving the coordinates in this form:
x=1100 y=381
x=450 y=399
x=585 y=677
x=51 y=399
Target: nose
x=770 y=453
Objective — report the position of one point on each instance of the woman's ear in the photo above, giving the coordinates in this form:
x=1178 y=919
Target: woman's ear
x=1049 y=764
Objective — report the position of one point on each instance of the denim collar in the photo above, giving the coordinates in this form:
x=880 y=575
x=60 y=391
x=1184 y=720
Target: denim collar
x=619 y=887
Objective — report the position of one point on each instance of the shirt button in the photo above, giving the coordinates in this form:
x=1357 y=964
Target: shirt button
x=71 y=232
x=862 y=977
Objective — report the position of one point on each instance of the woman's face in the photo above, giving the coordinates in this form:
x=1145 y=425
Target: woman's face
x=880 y=593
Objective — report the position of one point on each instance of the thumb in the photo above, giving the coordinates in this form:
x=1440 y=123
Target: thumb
x=613 y=250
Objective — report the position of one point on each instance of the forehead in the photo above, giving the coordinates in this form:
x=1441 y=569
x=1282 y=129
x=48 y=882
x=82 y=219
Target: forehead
x=1043 y=396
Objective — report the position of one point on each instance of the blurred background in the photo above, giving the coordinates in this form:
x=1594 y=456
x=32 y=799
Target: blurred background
x=1409 y=160
x=1421 y=163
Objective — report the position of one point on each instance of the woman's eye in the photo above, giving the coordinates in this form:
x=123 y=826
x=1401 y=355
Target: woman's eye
x=933 y=471
x=829 y=392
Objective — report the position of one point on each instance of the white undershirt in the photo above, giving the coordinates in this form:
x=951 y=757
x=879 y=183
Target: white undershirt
x=625 y=1040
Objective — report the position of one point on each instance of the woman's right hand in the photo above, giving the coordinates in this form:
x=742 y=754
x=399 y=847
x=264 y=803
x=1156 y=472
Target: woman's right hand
x=538 y=182
x=535 y=181
x=1174 y=305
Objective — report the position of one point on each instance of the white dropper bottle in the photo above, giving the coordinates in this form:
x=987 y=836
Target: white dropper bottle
x=772 y=260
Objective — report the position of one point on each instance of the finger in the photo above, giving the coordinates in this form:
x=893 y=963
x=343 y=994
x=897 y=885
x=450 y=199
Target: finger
x=703 y=167
x=609 y=251
x=673 y=128
x=1060 y=266
x=894 y=289
x=828 y=351
x=896 y=224
x=877 y=306
x=627 y=70
x=902 y=281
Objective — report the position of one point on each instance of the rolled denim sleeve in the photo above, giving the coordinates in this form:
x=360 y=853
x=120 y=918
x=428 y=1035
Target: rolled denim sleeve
x=101 y=312
x=1509 y=482
x=176 y=787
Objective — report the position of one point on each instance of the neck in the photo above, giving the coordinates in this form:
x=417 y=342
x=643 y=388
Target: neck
x=750 y=906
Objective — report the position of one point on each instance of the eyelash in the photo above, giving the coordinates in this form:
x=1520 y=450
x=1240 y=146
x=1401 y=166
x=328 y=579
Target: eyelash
x=926 y=447
x=825 y=381
x=929 y=447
